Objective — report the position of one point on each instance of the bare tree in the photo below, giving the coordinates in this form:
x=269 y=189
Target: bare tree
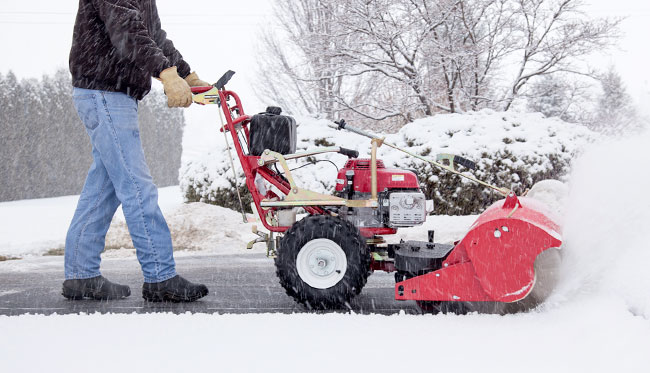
x=391 y=40
x=398 y=60
x=298 y=67
x=553 y=34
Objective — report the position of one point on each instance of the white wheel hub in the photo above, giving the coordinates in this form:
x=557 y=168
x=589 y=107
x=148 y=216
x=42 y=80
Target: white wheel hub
x=321 y=263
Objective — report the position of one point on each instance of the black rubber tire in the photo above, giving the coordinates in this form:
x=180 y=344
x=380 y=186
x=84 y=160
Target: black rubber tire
x=343 y=233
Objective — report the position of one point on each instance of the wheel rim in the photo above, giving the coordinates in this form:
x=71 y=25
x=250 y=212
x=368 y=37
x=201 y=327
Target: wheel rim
x=321 y=263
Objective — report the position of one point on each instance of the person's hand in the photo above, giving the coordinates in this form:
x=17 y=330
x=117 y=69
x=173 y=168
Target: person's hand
x=194 y=81
x=177 y=90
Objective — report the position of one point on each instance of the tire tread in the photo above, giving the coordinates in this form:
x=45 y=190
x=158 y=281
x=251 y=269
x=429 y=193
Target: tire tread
x=346 y=235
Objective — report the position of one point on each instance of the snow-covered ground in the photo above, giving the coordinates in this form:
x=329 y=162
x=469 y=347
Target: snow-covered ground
x=586 y=335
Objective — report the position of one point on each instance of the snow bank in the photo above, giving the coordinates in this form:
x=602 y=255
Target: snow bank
x=512 y=149
x=37 y=225
x=607 y=249
x=589 y=337
x=195 y=226
x=32 y=227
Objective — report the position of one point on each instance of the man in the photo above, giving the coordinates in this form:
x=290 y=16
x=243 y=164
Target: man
x=117 y=47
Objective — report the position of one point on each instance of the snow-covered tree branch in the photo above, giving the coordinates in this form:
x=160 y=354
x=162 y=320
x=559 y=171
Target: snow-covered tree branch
x=393 y=61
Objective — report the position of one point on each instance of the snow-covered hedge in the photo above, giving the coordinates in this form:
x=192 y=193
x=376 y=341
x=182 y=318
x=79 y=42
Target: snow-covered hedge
x=512 y=150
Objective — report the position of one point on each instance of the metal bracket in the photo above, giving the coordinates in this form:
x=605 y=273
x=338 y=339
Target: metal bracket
x=268 y=238
x=262 y=237
x=446 y=157
x=210 y=97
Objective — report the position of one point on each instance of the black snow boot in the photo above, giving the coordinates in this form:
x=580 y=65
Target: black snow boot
x=95 y=288
x=176 y=289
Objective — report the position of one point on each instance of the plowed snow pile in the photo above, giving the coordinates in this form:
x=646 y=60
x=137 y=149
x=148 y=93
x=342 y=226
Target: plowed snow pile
x=607 y=226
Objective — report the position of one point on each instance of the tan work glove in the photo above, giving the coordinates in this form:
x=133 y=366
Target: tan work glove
x=194 y=81
x=177 y=90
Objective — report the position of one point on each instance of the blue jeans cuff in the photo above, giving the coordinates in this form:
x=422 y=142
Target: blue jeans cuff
x=77 y=276
x=159 y=279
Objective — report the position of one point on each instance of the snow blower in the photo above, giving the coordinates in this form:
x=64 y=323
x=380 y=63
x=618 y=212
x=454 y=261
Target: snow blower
x=324 y=259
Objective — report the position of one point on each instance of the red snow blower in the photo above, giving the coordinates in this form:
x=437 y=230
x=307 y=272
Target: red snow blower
x=325 y=258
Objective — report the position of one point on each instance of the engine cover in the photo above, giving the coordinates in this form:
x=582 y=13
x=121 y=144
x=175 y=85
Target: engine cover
x=401 y=203
x=387 y=178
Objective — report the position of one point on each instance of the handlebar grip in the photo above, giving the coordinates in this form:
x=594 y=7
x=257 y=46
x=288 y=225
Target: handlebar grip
x=349 y=152
x=464 y=162
x=221 y=83
x=340 y=124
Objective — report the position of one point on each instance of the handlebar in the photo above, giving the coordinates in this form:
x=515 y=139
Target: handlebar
x=341 y=124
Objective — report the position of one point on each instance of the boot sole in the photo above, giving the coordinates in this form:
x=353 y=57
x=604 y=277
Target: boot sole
x=164 y=296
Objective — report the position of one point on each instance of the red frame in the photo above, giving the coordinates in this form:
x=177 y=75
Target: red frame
x=235 y=115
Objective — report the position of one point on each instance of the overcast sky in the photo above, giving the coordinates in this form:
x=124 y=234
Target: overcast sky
x=217 y=35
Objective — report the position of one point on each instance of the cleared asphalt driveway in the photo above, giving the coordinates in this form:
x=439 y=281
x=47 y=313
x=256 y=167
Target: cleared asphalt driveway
x=238 y=284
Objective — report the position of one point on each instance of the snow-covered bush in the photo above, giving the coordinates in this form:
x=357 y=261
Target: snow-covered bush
x=208 y=180
x=511 y=150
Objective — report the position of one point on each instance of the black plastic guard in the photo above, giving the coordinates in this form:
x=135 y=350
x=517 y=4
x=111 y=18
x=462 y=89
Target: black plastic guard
x=419 y=257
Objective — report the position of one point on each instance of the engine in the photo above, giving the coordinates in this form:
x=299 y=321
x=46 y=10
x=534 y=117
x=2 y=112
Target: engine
x=401 y=202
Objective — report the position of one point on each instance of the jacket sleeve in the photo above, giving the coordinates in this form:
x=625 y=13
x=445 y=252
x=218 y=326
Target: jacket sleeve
x=130 y=37
x=172 y=54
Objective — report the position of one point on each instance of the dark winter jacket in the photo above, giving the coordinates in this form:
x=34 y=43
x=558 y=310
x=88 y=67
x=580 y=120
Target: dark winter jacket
x=118 y=46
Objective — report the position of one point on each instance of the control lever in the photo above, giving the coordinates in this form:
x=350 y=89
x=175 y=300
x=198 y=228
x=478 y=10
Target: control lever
x=349 y=152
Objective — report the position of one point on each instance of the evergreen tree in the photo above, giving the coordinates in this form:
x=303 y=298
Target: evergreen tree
x=550 y=96
x=161 y=133
x=45 y=151
x=615 y=112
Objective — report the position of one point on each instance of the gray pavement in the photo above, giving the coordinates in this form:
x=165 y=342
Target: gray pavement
x=238 y=284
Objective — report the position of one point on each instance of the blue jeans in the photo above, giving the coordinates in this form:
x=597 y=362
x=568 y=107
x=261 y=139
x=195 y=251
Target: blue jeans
x=118 y=175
